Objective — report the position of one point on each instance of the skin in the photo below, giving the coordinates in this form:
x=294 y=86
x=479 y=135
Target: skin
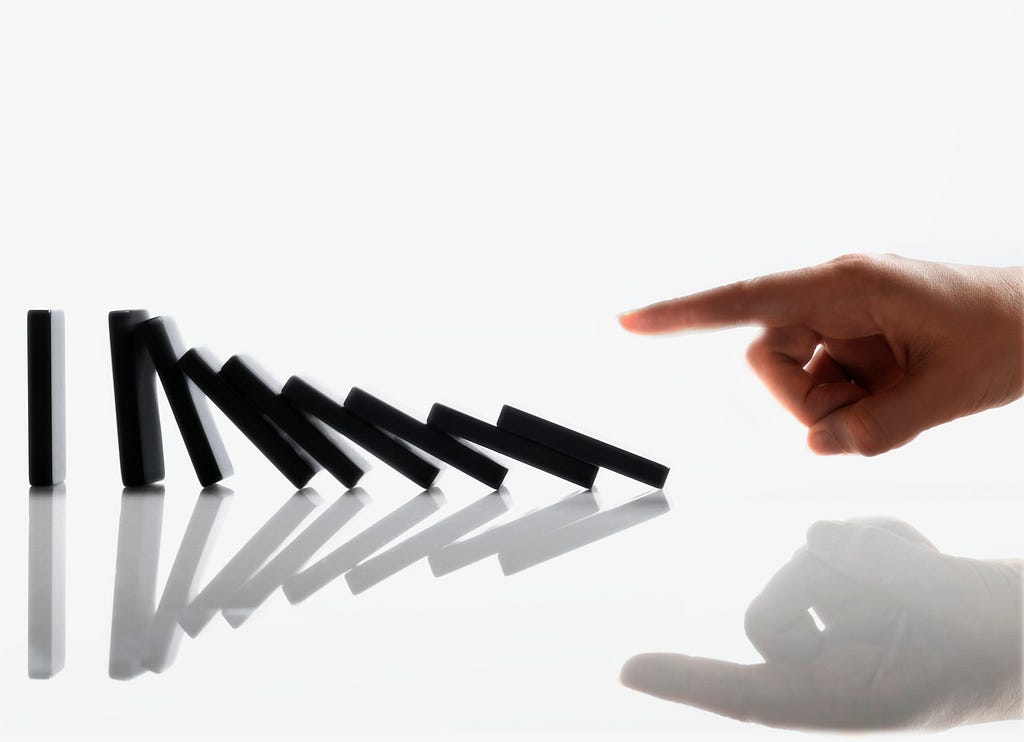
x=867 y=352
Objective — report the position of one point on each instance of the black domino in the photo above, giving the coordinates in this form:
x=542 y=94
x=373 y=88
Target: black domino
x=515 y=446
x=198 y=431
x=47 y=458
x=582 y=447
x=247 y=418
x=312 y=401
x=431 y=440
x=139 y=442
x=255 y=387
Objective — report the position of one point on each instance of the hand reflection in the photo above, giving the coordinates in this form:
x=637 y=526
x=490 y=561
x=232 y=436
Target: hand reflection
x=913 y=638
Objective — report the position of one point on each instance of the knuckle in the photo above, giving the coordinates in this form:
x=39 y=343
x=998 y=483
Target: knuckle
x=869 y=539
x=855 y=265
x=868 y=269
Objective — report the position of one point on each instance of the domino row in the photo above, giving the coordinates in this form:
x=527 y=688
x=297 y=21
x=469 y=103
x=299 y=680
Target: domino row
x=280 y=421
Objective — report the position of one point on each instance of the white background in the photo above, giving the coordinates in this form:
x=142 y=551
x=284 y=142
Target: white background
x=450 y=202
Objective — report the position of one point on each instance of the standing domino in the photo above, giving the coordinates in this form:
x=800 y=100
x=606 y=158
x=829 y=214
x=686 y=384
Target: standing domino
x=47 y=459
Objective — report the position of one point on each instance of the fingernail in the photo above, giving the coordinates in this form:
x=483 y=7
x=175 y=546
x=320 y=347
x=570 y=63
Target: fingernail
x=625 y=317
x=827 y=535
x=824 y=443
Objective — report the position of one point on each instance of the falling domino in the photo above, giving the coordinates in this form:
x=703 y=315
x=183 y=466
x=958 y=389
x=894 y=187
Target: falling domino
x=247 y=418
x=431 y=440
x=582 y=447
x=515 y=446
x=198 y=431
x=256 y=388
x=315 y=403
x=139 y=442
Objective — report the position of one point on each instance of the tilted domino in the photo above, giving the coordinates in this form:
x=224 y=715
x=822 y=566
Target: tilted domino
x=139 y=442
x=522 y=449
x=198 y=431
x=258 y=390
x=47 y=432
x=312 y=401
x=582 y=446
x=431 y=440
x=247 y=418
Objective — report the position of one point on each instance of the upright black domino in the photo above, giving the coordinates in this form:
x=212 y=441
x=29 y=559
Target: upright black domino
x=247 y=418
x=258 y=390
x=429 y=439
x=312 y=401
x=202 y=441
x=522 y=449
x=139 y=442
x=47 y=432
x=582 y=447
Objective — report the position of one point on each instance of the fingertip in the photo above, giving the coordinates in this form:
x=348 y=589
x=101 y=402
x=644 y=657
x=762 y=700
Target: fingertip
x=632 y=670
x=647 y=672
x=829 y=535
x=823 y=443
x=632 y=321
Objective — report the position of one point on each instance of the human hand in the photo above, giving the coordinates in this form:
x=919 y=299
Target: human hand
x=913 y=638
x=869 y=351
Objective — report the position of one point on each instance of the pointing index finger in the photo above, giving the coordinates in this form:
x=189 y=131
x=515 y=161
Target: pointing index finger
x=784 y=298
x=838 y=298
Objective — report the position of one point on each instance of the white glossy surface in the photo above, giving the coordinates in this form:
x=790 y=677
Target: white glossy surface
x=450 y=202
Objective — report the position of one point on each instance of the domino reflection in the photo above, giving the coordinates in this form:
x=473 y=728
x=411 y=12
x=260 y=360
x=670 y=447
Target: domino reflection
x=145 y=633
x=301 y=585
x=251 y=595
x=530 y=552
x=163 y=636
x=138 y=550
x=46 y=587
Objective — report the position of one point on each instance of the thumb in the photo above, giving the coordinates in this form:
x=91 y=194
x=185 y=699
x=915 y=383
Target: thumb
x=881 y=422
